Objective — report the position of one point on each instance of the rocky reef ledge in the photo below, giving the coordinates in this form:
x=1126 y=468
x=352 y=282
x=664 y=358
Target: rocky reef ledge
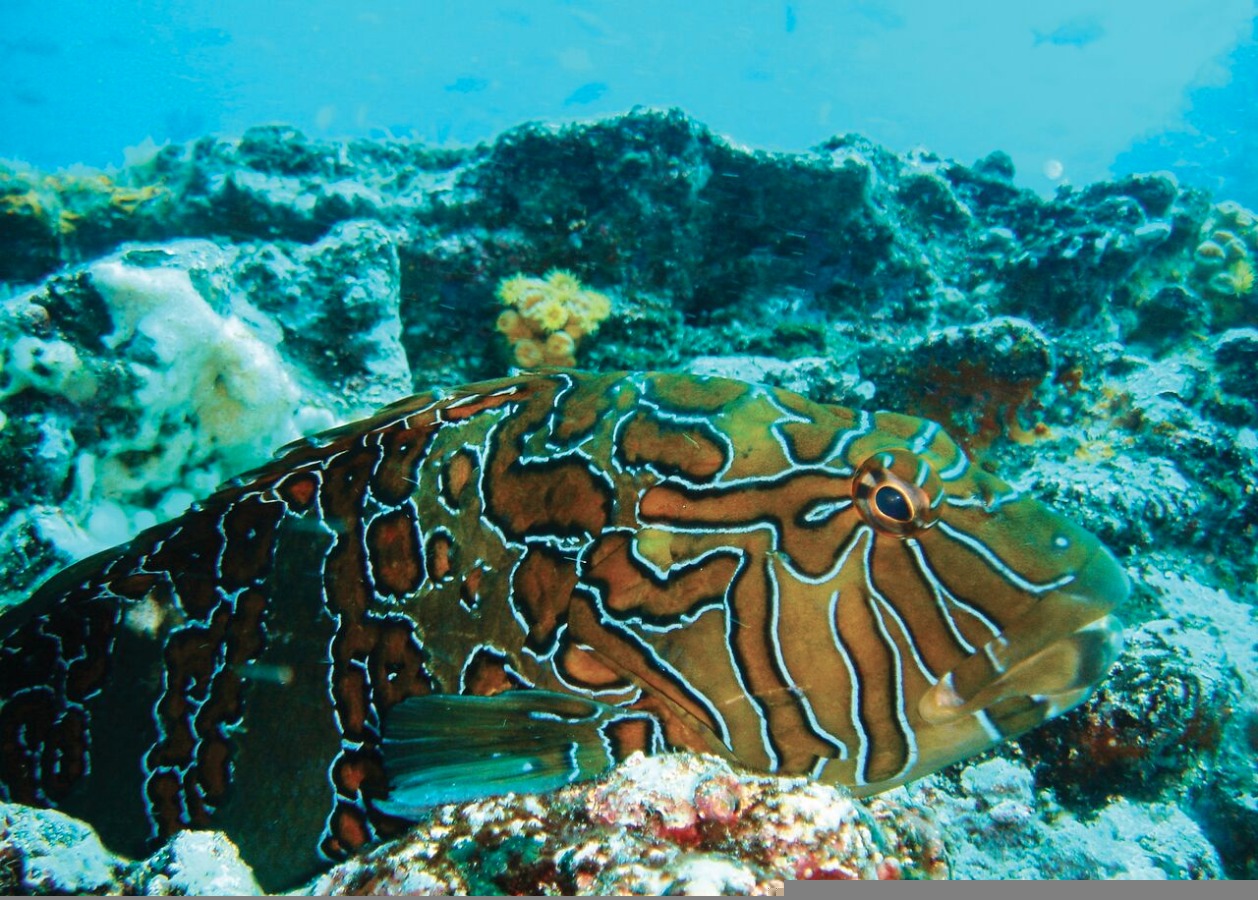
x=168 y=324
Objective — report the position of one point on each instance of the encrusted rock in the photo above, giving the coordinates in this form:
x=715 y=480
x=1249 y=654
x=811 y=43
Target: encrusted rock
x=658 y=825
x=976 y=379
x=43 y=851
x=1145 y=730
x=1236 y=355
x=195 y=863
x=338 y=304
x=1001 y=826
x=1170 y=316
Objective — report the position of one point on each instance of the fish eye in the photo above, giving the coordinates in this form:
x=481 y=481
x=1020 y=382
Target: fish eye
x=895 y=490
x=892 y=504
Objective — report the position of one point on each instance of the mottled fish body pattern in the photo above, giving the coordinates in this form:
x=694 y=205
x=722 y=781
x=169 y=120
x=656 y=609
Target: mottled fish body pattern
x=800 y=588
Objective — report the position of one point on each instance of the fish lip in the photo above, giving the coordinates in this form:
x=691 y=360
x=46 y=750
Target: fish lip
x=1061 y=674
x=1110 y=576
x=1099 y=587
x=1058 y=650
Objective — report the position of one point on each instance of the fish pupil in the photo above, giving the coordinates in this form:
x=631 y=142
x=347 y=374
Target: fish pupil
x=892 y=504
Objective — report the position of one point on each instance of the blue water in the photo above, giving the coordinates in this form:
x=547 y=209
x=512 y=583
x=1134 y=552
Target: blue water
x=1074 y=91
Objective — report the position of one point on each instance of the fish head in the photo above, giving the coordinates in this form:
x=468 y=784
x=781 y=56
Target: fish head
x=994 y=611
x=887 y=606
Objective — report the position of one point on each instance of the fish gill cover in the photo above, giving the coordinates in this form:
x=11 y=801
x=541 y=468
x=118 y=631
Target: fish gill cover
x=169 y=325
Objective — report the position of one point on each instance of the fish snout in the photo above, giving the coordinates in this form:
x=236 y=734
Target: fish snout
x=1045 y=662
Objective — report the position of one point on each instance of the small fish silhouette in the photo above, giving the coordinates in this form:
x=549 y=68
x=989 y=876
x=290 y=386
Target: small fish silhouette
x=1077 y=32
x=586 y=93
x=467 y=84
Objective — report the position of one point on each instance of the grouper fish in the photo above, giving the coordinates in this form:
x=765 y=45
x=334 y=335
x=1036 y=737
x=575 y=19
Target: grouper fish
x=511 y=585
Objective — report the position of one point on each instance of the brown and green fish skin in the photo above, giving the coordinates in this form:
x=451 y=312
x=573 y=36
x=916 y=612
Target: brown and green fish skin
x=797 y=587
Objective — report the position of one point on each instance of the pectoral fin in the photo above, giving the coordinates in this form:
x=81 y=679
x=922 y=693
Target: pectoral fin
x=446 y=748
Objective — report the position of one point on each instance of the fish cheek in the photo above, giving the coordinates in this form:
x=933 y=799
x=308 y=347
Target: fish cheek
x=1044 y=587
x=965 y=557
x=932 y=626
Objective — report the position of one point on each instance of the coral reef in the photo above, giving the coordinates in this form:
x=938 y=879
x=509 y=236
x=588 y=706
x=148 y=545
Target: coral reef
x=163 y=328
x=1148 y=727
x=44 y=852
x=661 y=825
x=681 y=824
x=1014 y=830
x=1224 y=263
x=980 y=377
x=147 y=378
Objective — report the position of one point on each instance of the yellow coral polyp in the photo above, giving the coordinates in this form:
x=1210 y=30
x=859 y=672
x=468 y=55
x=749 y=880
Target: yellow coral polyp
x=560 y=349
x=1209 y=251
x=512 y=324
x=511 y=291
x=1232 y=212
x=68 y=221
x=127 y=199
x=26 y=203
x=561 y=281
x=548 y=316
x=528 y=353
x=589 y=309
x=1242 y=276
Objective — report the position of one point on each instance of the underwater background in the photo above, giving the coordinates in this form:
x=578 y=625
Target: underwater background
x=224 y=226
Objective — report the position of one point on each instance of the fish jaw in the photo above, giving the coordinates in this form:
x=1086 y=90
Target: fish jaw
x=1044 y=663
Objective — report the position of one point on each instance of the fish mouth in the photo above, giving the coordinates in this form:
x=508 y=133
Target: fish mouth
x=1044 y=663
